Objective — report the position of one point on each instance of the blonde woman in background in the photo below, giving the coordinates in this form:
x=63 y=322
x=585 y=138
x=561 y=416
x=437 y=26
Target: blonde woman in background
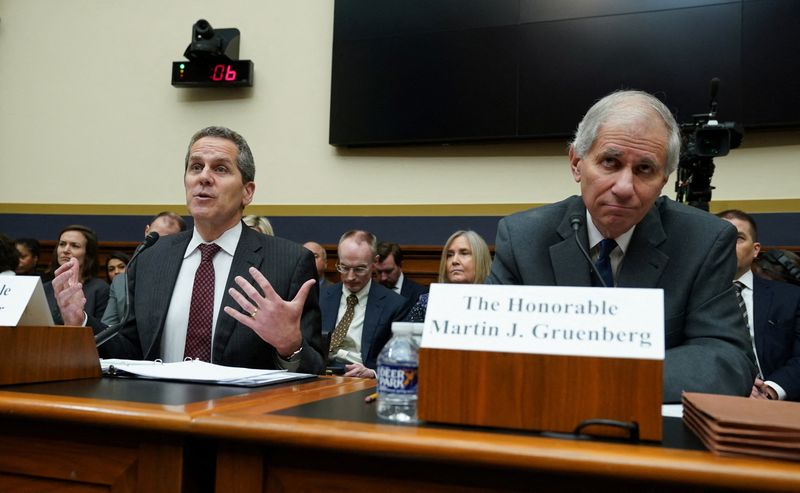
x=465 y=260
x=260 y=224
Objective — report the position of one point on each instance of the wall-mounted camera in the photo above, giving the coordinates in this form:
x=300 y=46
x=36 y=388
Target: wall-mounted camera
x=213 y=58
x=702 y=140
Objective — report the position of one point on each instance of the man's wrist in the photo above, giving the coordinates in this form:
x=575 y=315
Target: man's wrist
x=293 y=356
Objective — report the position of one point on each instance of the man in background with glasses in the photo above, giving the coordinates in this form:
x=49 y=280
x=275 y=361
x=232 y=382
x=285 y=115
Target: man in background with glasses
x=357 y=314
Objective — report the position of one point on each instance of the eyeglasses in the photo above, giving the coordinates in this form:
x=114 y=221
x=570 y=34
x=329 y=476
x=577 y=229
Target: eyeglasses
x=359 y=271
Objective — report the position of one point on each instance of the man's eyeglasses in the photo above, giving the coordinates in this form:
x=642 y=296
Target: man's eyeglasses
x=359 y=271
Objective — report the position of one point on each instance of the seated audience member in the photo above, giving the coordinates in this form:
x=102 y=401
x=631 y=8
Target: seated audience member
x=115 y=264
x=28 y=249
x=79 y=243
x=778 y=265
x=389 y=270
x=465 y=260
x=773 y=317
x=9 y=257
x=260 y=224
x=357 y=314
x=183 y=288
x=623 y=152
x=320 y=260
x=164 y=223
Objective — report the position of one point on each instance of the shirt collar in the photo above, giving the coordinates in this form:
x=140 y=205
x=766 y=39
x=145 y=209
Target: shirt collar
x=227 y=242
x=747 y=279
x=361 y=295
x=596 y=237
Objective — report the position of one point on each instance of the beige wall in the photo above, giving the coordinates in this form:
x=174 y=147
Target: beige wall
x=88 y=116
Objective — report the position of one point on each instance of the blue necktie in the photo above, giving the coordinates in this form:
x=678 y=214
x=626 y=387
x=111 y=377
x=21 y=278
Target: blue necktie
x=603 y=263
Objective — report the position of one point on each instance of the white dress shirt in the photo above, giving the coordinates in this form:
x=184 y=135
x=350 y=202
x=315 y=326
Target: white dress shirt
x=398 y=286
x=747 y=296
x=173 y=340
x=350 y=350
x=595 y=237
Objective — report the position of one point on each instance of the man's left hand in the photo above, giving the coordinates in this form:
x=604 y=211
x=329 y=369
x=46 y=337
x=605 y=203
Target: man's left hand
x=358 y=370
x=763 y=391
x=275 y=320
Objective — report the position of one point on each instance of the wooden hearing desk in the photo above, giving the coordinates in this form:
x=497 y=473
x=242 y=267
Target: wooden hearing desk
x=128 y=435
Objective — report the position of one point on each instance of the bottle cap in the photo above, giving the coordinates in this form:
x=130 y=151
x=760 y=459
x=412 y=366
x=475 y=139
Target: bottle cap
x=407 y=328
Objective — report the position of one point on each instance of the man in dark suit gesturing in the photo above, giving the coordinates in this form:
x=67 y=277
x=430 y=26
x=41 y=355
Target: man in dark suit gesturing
x=183 y=288
x=357 y=314
x=773 y=311
x=624 y=150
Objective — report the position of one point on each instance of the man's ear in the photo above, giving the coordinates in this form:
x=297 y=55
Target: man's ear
x=575 y=164
x=756 y=250
x=249 y=191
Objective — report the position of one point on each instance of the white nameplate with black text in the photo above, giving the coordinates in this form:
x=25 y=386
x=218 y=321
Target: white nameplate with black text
x=556 y=320
x=22 y=302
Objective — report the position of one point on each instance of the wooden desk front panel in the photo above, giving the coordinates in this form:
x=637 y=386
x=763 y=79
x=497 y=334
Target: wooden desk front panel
x=36 y=456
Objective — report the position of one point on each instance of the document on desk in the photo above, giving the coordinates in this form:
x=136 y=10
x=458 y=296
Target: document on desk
x=194 y=371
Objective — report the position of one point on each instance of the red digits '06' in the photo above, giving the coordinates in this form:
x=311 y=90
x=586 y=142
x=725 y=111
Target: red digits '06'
x=223 y=72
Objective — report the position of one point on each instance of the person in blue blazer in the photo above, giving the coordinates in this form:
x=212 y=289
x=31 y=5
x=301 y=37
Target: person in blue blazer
x=373 y=309
x=773 y=311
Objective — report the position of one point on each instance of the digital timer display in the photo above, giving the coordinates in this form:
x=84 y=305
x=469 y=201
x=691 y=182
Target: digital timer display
x=213 y=73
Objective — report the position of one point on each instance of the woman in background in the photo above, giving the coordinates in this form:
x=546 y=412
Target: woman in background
x=28 y=249
x=80 y=243
x=116 y=264
x=465 y=260
x=260 y=224
x=9 y=257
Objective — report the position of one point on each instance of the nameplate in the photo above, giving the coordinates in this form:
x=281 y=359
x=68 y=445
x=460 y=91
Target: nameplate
x=574 y=321
x=22 y=302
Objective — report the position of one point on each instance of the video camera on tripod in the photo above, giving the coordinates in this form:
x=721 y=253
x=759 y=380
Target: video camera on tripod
x=701 y=141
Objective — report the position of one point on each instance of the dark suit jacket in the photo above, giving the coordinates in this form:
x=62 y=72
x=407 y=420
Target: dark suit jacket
x=411 y=291
x=95 y=291
x=776 y=328
x=384 y=306
x=688 y=253
x=152 y=279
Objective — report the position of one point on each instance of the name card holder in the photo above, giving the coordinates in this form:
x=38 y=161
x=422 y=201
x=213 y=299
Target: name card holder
x=45 y=354
x=539 y=392
x=543 y=358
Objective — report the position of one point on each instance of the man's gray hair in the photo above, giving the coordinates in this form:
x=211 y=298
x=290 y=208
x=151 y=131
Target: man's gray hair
x=627 y=104
x=244 y=160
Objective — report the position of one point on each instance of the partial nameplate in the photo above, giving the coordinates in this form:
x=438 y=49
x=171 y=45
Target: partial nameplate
x=557 y=320
x=22 y=302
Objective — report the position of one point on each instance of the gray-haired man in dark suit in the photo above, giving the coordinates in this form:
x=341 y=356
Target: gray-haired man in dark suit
x=624 y=150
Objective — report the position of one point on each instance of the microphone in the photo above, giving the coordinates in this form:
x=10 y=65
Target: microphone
x=576 y=221
x=109 y=332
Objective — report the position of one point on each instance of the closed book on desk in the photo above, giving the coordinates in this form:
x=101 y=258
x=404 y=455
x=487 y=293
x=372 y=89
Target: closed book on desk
x=741 y=426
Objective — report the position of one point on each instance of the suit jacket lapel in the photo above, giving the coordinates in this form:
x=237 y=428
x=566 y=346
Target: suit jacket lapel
x=569 y=265
x=249 y=253
x=643 y=263
x=165 y=268
x=375 y=302
x=329 y=306
x=762 y=306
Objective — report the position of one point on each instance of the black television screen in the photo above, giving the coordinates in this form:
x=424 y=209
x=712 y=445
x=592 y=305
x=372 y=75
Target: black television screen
x=439 y=71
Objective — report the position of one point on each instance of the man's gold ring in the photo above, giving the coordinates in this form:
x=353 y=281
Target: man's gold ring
x=253 y=315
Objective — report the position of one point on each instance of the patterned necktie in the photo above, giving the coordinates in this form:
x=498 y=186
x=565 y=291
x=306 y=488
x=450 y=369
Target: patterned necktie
x=603 y=263
x=743 y=310
x=201 y=311
x=341 y=328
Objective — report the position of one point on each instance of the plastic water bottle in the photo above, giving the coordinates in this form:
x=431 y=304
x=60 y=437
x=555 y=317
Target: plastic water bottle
x=397 y=375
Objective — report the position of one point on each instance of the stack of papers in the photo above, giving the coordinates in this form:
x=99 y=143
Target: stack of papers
x=741 y=426
x=198 y=372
